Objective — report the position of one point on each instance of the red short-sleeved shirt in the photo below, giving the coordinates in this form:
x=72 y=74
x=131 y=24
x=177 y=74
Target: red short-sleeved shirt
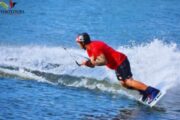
x=113 y=57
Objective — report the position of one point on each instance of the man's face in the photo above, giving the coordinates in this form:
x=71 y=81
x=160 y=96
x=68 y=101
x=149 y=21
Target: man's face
x=81 y=45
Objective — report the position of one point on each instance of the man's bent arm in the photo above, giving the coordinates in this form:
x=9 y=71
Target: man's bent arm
x=99 y=61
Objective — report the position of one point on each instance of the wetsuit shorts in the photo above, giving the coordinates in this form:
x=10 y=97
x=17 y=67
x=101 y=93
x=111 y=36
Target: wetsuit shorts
x=123 y=71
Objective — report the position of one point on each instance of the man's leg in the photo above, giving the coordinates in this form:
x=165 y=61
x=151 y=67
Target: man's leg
x=124 y=75
x=141 y=87
x=134 y=84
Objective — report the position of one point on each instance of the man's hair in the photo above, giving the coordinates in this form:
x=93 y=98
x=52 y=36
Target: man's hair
x=86 y=37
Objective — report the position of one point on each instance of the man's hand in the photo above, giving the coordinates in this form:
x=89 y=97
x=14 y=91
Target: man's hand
x=92 y=62
x=88 y=63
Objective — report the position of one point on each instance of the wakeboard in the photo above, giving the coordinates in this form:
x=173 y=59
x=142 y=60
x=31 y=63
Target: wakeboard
x=153 y=102
x=135 y=94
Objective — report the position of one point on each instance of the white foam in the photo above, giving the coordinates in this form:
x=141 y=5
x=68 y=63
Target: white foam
x=23 y=74
x=156 y=63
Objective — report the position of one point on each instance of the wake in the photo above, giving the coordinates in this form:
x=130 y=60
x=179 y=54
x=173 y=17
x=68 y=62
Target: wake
x=156 y=64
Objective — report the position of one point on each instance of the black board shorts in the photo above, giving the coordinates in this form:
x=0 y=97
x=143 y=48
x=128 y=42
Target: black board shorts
x=123 y=71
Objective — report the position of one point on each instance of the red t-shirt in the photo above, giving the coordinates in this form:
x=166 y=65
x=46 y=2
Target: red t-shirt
x=113 y=57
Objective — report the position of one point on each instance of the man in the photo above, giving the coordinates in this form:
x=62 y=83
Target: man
x=101 y=54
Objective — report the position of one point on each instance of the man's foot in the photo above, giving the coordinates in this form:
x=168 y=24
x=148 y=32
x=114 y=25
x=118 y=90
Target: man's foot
x=144 y=96
x=150 y=94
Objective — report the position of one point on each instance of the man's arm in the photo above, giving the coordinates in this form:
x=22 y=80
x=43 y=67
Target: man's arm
x=99 y=61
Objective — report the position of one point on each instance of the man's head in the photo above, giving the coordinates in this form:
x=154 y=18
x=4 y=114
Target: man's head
x=83 y=39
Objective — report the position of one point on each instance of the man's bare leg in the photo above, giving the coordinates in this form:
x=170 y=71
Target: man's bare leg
x=146 y=91
x=134 y=84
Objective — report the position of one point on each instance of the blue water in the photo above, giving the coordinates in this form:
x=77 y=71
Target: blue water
x=54 y=22
x=39 y=80
x=35 y=100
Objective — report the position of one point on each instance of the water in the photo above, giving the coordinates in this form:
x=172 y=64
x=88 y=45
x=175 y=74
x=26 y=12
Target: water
x=39 y=80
